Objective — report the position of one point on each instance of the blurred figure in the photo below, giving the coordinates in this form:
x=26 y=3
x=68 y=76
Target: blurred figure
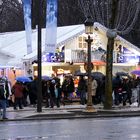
x=126 y=91
x=98 y=91
x=3 y=98
x=93 y=90
x=117 y=85
x=52 y=93
x=58 y=93
x=82 y=89
x=17 y=91
x=32 y=90
x=70 y=87
x=45 y=92
x=25 y=94
x=65 y=88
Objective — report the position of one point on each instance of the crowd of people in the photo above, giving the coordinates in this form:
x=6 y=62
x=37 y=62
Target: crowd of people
x=126 y=90
x=55 y=93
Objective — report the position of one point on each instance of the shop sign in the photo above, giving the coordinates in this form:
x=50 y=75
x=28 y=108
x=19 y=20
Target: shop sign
x=124 y=55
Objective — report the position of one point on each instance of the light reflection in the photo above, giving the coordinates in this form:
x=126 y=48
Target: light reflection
x=134 y=136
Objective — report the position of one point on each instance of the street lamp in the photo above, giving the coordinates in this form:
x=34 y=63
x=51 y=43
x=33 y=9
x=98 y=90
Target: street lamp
x=89 y=31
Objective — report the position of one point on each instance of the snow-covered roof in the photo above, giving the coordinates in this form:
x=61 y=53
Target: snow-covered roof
x=131 y=47
x=13 y=44
x=64 y=34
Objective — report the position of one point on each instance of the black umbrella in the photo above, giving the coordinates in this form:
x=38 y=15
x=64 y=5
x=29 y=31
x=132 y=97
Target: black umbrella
x=97 y=75
x=46 y=78
x=79 y=73
x=122 y=74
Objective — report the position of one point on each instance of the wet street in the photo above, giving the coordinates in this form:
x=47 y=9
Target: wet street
x=77 y=129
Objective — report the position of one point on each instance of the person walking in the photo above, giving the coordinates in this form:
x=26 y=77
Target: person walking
x=3 y=98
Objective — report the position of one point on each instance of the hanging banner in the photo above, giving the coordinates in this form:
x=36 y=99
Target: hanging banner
x=27 y=22
x=51 y=26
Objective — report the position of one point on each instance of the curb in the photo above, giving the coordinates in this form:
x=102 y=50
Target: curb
x=77 y=115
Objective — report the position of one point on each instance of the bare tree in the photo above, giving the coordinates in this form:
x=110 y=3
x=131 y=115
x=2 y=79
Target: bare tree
x=69 y=13
x=134 y=35
x=125 y=19
x=11 y=15
x=120 y=17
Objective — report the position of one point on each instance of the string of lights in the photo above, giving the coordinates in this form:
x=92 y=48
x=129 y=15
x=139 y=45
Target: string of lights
x=127 y=13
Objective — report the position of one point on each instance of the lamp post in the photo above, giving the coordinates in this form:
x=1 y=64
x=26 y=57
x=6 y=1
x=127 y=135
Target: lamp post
x=89 y=31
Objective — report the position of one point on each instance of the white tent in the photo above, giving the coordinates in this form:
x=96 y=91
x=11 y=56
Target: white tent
x=13 y=44
x=13 y=50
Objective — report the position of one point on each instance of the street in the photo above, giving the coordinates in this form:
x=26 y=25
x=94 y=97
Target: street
x=76 y=129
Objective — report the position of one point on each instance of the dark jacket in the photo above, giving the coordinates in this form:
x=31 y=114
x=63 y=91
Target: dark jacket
x=82 y=85
x=71 y=86
x=2 y=93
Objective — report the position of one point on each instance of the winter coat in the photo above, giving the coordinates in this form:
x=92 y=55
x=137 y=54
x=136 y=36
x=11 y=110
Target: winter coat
x=17 y=90
x=82 y=85
x=94 y=87
x=2 y=92
x=71 y=86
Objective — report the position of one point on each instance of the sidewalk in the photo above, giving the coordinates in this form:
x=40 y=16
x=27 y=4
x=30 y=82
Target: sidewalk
x=70 y=112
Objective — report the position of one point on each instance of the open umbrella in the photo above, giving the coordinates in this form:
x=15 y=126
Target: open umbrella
x=79 y=73
x=136 y=72
x=23 y=79
x=122 y=73
x=46 y=78
x=97 y=75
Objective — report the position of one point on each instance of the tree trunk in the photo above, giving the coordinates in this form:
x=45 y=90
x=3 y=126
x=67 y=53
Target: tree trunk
x=108 y=83
x=109 y=59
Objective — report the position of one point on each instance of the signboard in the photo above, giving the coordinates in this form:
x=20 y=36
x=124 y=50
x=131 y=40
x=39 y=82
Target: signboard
x=124 y=55
x=51 y=26
x=27 y=22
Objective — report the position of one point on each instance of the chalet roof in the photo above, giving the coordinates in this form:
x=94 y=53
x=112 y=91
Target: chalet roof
x=13 y=48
